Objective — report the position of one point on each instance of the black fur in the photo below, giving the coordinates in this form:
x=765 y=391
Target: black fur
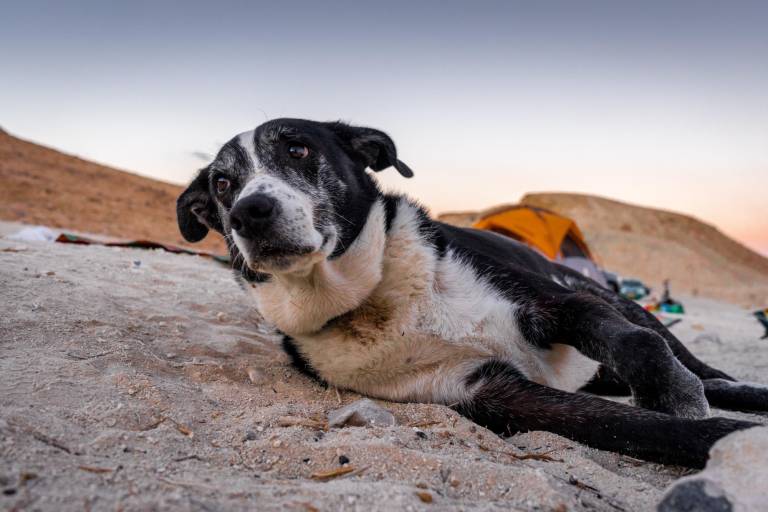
x=554 y=305
x=299 y=361
x=195 y=209
x=507 y=403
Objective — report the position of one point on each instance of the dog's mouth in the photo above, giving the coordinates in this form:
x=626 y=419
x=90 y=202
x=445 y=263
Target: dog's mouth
x=276 y=257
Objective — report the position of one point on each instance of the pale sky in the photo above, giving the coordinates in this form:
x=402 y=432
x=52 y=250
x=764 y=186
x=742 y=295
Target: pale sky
x=656 y=103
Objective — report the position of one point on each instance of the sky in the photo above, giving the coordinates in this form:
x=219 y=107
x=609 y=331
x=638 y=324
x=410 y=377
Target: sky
x=663 y=104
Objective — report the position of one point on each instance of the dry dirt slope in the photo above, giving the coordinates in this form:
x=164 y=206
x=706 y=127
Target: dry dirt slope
x=655 y=244
x=44 y=186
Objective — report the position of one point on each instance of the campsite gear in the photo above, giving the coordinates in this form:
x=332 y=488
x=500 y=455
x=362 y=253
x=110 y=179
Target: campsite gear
x=667 y=304
x=555 y=236
x=665 y=297
x=672 y=308
x=613 y=280
x=34 y=234
x=69 y=238
x=633 y=289
x=762 y=317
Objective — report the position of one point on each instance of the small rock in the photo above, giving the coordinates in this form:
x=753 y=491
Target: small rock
x=424 y=496
x=710 y=337
x=362 y=413
x=250 y=435
x=256 y=376
x=698 y=495
x=731 y=481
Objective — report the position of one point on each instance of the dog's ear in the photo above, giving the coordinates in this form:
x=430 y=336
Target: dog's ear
x=195 y=209
x=372 y=148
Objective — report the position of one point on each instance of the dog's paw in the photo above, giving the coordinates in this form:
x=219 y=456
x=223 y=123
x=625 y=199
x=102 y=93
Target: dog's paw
x=683 y=398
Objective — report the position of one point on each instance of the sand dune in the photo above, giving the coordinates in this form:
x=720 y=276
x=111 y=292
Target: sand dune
x=44 y=186
x=654 y=244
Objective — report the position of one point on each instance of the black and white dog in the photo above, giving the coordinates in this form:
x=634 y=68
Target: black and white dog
x=374 y=296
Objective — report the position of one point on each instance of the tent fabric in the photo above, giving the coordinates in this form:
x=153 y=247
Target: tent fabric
x=542 y=229
x=71 y=238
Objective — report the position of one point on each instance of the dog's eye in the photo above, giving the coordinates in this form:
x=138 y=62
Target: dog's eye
x=298 y=151
x=222 y=185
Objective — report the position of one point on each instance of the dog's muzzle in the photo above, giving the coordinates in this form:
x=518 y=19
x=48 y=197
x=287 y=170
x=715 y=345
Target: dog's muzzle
x=253 y=216
x=268 y=236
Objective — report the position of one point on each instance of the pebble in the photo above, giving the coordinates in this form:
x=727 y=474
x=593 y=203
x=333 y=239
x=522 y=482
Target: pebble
x=734 y=479
x=256 y=376
x=362 y=413
x=424 y=496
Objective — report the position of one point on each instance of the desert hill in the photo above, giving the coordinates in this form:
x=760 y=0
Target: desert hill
x=654 y=244
x=44 y=186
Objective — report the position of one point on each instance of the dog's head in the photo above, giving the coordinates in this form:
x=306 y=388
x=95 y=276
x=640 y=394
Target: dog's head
x=289 y=193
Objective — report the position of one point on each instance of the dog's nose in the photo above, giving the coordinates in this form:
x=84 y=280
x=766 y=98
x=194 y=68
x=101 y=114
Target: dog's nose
x=252 y=214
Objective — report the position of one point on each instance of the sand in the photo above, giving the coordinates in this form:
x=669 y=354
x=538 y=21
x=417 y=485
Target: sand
x=138 y=380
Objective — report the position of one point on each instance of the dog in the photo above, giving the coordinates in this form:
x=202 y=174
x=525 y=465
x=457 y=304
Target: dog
x=374 y=296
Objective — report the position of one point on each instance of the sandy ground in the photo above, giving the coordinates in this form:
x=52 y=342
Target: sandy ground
x=140 y=380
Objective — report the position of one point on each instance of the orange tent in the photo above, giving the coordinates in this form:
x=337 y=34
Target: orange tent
x=554 y=235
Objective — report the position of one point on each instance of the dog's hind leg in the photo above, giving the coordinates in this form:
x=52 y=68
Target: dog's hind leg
x=640 y=356
x=502 y=400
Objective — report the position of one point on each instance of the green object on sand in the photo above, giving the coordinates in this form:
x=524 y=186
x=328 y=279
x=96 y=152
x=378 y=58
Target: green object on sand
x=674 y=307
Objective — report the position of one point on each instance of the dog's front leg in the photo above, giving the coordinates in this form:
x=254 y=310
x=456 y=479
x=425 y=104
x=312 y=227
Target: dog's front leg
x=505 y=402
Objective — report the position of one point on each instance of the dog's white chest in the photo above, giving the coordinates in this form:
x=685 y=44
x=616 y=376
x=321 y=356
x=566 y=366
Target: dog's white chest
x=427 y=324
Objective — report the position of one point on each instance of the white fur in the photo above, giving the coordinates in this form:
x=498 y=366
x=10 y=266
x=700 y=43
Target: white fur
x=414 y=326
x=246 y=140
x=296 y=217
x=299 y=304
x=465 y=307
